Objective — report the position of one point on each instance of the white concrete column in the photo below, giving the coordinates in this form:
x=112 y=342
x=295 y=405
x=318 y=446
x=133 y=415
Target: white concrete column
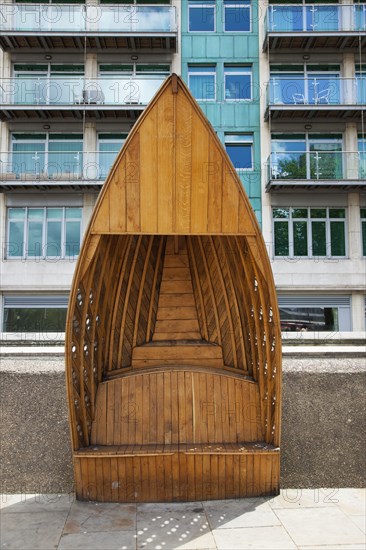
x=348 y=89
x=2 y=231
x=177 y=57
x=90 y=148
x=354 y=226
x=346 y=15
x=350 y=147
x=358 y=311
x=88 y=205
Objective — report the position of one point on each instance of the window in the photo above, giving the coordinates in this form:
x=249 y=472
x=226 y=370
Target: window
x=309 y=232
x=363 y=230
x=35 y=313
x=49 y=156
x=307 y=156
x=362 y=157
x=237 y=15
x=301 y=313
x=238 y=82
x=201 y=16
x=43 y=232
x=109 y=147
x=202 y=82
x=239 y=147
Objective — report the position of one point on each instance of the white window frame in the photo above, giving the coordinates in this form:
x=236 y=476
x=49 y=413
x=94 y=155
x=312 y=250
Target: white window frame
x=43 y=255
x=198 y=5
x=244 y=141
x=240 y=71
x=363 y=219
x=309 y=220
x=203 y=73
x=233 y=5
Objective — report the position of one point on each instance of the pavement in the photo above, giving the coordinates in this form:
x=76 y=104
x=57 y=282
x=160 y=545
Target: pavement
x=304 y=519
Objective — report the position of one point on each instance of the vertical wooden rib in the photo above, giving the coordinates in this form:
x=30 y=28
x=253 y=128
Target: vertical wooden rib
x=132 y=153
x=141 y=289
x=155 y=289
x=183 y=156
x=215 y=178
x=227 y=304
x=165 y=164
x=199 y=192
x=149 y=174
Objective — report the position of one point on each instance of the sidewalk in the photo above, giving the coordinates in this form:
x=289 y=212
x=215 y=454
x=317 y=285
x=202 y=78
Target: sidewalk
x=305 y=519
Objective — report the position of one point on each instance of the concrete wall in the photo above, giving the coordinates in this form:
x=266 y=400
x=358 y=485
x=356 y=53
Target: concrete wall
x=323 y=442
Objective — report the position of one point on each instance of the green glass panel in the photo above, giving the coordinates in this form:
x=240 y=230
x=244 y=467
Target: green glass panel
x=73 y=213
x=34 y=319
x=299 y=212
x=53 y=239
x=35 y=213
x=337 y=239
x=116 y=68
x=15 y=240
x=16 y=213
x=72 y=238
x=281 y=212
x=281 y=239
x=54 y=213
x=363 y=212
x=364 y=238
x=35 y=239
x=337 y=213
x=300 y=238
x=32 y=137
x=318 y=232
x=318 y=213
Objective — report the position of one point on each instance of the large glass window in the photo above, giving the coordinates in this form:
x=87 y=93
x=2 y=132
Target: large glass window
x=362 y=157
x=363 y=230
x=307 y=156
x=109 y=146
x=53 y=156
x=309 y=232
x=238 y=82
x=202 y=82
x=361 y=84
x=201 y=16
x=237 y=15
x=315 y=313
x=35 y=313
x=239 y=147
x=43 y=232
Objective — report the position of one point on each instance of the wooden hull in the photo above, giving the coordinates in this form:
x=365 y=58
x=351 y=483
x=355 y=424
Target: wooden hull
x=173 y=353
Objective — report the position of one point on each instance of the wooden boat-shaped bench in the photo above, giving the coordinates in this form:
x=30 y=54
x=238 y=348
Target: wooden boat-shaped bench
x=173 y=354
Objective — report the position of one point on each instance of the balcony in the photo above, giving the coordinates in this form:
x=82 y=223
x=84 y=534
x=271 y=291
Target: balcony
x=318 y=97
x=54 y=169
x=55 y=97
x=316 y=170
x=76 y=26
x=311 y=26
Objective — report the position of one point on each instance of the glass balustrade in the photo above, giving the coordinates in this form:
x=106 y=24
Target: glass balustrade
x=293 y=90
x=55 y=165
x=316 y=165
x=76 y=91
x=316 y=18
x=94 y=18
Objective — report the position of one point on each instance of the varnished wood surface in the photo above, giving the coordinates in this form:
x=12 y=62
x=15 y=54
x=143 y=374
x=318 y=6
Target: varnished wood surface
x=172 y=314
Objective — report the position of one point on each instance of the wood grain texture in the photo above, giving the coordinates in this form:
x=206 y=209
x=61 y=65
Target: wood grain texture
x=173 y=344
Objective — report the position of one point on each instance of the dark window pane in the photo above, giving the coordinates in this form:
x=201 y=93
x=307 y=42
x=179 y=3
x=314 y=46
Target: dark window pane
x=337 y=213
x=237 y=86
x=35 y=245
x=281 y=239
x=237 y=18
x=364 y=238
x=201 y=18
x=337 y=239
x=240 y=155
x=72 y=238
x=319 y=239
x=34 y=319
x=300 y=239
x=318 y=213
x=281 y=213
x=309 y=318
x=16 y=237
x=299 y=212
x=53 y=238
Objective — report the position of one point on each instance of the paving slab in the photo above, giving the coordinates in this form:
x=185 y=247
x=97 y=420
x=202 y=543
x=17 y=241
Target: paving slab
x=32 y=531
x=321 y=526
x=302 y=498
x=248 y=512
x=113 y=540
x=87 y=517
x=30 y=503
x=254 y=538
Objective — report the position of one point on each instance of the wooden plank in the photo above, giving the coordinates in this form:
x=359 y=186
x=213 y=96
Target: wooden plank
x=215 y=178
x=199 y=192
x=176 y=287
x=132 y=152
x=149 y=173
x=163 y=336
x=117 y=195
x=173 y=299
x=176 y=260
x=230 y=202
x=165 y=164
x=178 y=325
x=174 y=407
x=178 y=351
x=180 y=312
x=183 y=161
x=176 y=273
x=166 y=400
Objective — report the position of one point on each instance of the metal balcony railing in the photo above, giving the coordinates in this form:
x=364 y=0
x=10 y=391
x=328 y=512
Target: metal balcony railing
x=55 y=166
x=316 y=18
x=28 y=90
x=322 y=90
x=79 y=18
x=317 y=165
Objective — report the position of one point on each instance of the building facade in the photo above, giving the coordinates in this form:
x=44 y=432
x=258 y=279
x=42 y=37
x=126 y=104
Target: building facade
x=284 y=86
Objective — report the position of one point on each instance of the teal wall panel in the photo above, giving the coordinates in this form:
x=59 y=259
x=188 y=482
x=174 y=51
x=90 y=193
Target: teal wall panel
x=221 y=48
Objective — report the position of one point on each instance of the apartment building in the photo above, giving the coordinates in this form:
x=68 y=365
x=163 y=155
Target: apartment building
x=284 y=87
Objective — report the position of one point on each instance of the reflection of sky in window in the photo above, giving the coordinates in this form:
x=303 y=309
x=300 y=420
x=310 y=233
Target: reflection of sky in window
x=201 y=18
x=240 y=154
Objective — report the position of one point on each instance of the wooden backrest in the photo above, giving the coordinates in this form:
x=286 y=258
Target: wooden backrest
x=174 y=406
